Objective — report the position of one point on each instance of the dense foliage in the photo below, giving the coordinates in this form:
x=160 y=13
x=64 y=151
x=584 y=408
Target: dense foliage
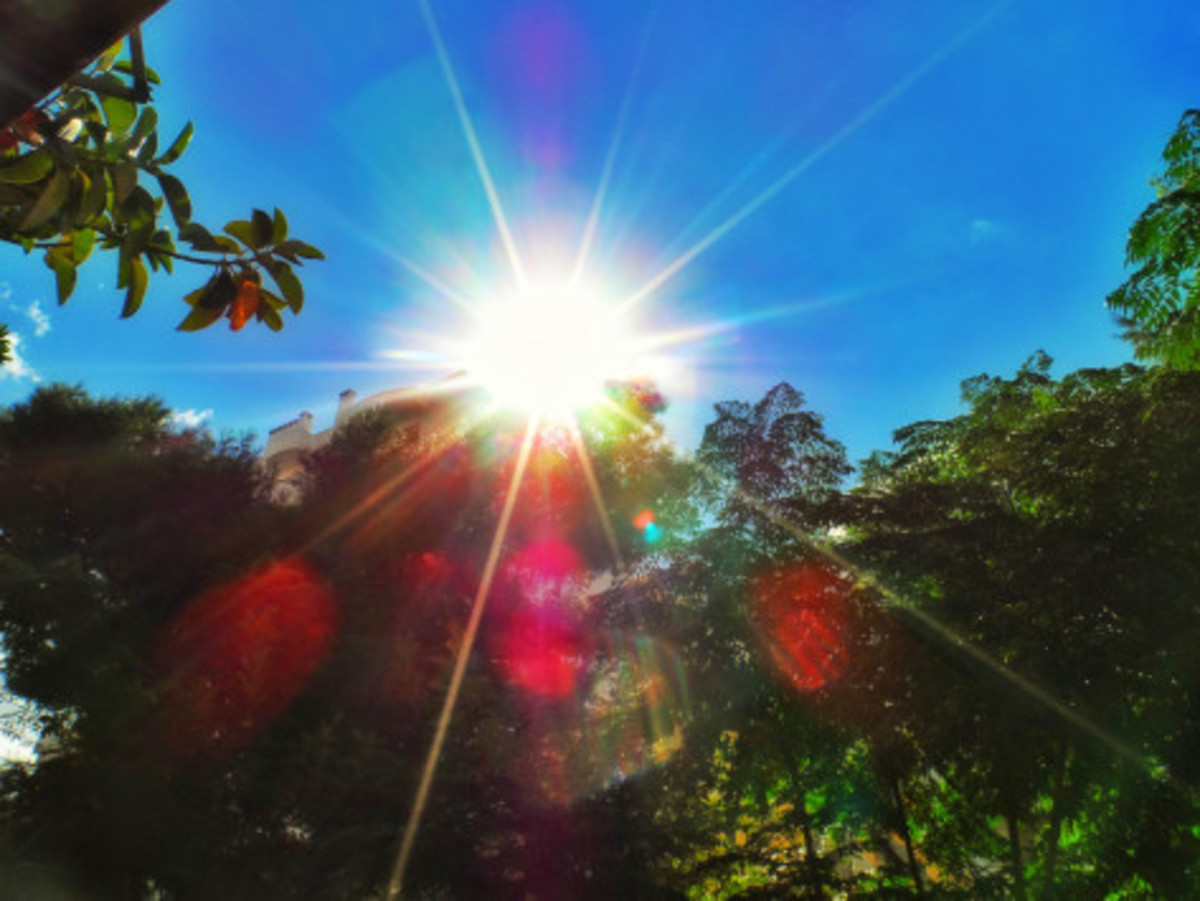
x=997 y=697
x=1159 y=304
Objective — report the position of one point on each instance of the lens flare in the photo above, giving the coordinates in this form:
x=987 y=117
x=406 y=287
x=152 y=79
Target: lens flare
x=549 y=349
x=629 y=717
x=234 y=660
x=801 y=612
x=541 y=652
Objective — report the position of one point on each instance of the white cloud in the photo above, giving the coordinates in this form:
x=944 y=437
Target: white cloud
x=5 y=290
x=190 y=419
x=16 y=367
x=41 y=322
x=984 y=230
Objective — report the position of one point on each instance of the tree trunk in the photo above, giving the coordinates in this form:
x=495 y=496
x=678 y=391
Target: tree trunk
x=811 y=865
x=914 y=868
x=1058 y=801
x=43 y=43
x=1014 y=852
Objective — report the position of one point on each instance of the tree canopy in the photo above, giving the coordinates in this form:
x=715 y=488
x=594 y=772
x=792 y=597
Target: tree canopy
x=1159 y=305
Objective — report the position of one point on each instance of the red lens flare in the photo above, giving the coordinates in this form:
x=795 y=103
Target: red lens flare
x=548 y=560
x=541 y=652
x=237 y=657
x=801 y=611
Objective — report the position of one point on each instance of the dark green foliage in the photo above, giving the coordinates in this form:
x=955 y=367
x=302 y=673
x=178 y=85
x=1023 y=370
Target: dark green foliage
x=1055 y=528
x=725 y=713
x=1159 y=305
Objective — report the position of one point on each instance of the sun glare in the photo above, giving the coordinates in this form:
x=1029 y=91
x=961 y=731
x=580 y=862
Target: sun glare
x=549 y=349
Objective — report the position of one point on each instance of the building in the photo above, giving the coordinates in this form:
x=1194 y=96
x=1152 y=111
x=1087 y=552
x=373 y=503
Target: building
x=288 y=444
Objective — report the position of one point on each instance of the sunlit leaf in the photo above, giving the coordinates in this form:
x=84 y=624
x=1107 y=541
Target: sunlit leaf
x=119 y=114
x=178 y=146
x=243 y=230
x=82 y=243
x=139 y=278
x=279 y=231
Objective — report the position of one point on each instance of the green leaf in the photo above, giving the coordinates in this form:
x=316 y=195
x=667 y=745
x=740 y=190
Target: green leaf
x=291 y=287
x=49 y=202
x=269 y=315
x=124 y=179
x=139 y=211
x=82 y=243
x=95 y=198
x=109 y=56
x=209 y=303
x=273 y=299
x=199 y=237
x=243 y=230
x=119 y=114
x=145 y=154
x=126 y=67
x=64 y=281
x=27 y=169
x=139 y=278
x=264 y=227
x=299 y=249
x=60 y=259
x=177 y=199
x=201 y=317
x=146 y=123
x=178 y=146
x=122 y=268
x=279 y=230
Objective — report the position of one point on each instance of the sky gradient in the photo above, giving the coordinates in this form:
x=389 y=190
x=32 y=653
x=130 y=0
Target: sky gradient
x=872 y=201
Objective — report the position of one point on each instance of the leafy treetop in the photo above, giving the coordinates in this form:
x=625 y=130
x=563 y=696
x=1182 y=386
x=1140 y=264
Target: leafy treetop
x=1159 y=305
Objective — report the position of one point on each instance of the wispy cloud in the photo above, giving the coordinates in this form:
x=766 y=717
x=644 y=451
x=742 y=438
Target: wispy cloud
x=984 y=230
x=190 y=419
x=41 y=322
x=16 y=367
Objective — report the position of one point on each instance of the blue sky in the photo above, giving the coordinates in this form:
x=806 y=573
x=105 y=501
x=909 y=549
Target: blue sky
x=918 y=192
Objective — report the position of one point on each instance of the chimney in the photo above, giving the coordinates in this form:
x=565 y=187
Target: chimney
x=346 y=401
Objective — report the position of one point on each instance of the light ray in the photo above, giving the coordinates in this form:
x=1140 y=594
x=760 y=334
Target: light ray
x=449 y=439
x=460 y=665
x=468 y=128
x=372 y=238
x=589 y=475
x=589 y=231
x=411 y=360
x=692 y=334
x=436 y=283
x=874 y=109
x=897 y=604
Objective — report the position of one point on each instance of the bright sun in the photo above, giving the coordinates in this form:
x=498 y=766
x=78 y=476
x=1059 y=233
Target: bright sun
x=549 y=349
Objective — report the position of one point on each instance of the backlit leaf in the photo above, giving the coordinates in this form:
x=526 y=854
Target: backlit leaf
x=177 y=199
x=49 y=202
x=27 y=169
x=139 y=278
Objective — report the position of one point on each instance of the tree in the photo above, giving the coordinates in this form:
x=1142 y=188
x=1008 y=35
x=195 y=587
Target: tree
x=74 y=172
x=1053 y=527
x=1159 y=305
